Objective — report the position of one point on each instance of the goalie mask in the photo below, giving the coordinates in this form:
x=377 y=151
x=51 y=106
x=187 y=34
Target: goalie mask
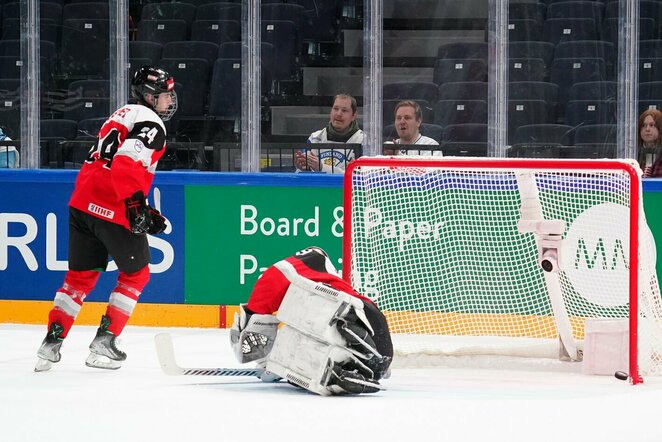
x=151 y=81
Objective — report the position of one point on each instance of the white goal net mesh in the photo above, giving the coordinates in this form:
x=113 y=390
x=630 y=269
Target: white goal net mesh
x=439 y=249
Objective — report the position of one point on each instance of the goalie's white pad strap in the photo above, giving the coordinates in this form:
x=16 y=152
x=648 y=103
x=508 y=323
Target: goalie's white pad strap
x=311 y=306
x=305 y=361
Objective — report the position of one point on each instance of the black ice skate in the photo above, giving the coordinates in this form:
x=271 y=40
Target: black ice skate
x=49 y=352
x=103 y=351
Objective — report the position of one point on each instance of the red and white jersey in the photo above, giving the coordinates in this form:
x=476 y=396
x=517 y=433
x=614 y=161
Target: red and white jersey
x=123 y=161
x=269 y=290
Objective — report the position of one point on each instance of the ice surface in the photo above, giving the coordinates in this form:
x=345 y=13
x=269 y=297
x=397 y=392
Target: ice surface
x=139 y=403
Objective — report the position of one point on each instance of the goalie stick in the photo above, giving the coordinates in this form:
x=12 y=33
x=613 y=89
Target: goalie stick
x=166 y=354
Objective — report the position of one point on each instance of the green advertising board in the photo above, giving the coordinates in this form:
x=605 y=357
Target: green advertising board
x=240 y=231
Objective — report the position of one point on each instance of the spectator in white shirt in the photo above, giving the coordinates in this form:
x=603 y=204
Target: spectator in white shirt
x=408 y=120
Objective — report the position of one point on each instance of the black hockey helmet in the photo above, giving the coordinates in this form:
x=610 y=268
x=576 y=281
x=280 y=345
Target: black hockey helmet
x=149 y=80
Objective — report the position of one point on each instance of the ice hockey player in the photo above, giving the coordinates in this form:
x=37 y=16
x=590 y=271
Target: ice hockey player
x=109 y=216
x=325 y=337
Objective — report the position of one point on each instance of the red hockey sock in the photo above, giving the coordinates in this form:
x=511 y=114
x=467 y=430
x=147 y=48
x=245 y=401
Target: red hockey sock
x=69 y=298
x=124 y=298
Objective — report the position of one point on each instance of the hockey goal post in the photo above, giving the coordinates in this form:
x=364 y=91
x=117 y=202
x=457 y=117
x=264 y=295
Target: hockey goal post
x=526 y=249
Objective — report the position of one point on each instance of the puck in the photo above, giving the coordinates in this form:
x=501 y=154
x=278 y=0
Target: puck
x=621 y=375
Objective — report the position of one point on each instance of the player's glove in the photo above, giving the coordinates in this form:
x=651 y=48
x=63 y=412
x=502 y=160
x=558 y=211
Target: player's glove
x=143 y=218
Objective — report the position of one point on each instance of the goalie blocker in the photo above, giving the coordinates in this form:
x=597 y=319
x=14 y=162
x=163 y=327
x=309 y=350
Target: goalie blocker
x=332 y=340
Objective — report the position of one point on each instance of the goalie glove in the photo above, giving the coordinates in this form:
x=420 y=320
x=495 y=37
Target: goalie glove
x=252 y=335
x=359 y=339
x=143 y=218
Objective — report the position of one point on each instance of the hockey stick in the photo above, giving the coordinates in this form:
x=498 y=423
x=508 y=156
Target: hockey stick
x=157 y=206
x=166 y=353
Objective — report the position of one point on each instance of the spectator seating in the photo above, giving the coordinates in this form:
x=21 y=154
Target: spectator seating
x=285 y=48
x=536 y=90
x=556 y=30
x=463 y=50
x=81 y=108
x=524 y=30
x=454 y=70
x=89 y=89
x=191 y=49
x=84 y=47
x=411 y=91
x=225 y=94
x=544 y=134
x=146 y=50
x=594 y=90
x=526 y=112
x=471 y=133
x=527 y=69
x=532 y=49
x=532 y=11
x=650 y=49
x=595 y=133
x=650 y=69
x=169 y=11
x=47 y=10
x=447 y=112
x=89 y=128
x=593 y=10
x=216 y=31
x=86 y=10
x=219 y=11
x=579 y=112
x=162 y=31
x=193 y=76
x=610 y=28
x=568 y=71
x=470 y=90
x=588 y=49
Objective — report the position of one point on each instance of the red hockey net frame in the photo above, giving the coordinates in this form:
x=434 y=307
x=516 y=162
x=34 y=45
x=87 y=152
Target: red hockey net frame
x=515 y=165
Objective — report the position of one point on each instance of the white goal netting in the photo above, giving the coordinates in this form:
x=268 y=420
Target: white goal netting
x=454 y=247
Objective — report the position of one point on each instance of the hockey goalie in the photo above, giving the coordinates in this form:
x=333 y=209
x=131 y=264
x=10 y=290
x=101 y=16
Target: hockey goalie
x=325 y=337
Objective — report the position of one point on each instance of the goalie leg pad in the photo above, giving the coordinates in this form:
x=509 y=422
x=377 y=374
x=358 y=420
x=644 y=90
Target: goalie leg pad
x=252 y=335
x=309 y=363
x=311 y=308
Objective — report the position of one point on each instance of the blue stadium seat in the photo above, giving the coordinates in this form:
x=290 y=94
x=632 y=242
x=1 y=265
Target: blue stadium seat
x=579 y=112
x=169 y=11
x=225 y=93
x=526 y=112
x=89 y=89
x=47 y=10
x=532 y=11
x=161 y=31
x=79 y=109
x=536 y=90
x=219 y=11
x=588 y=49
x=594 y=90
x=191 y=49
x=470 y=133
x=57 y=129
x=532 y=49
x=545 y=134
x=463 y=50
x=146 y=49
x=650 y=69
x=216 y=31
x=524 y=30
x=89 y=128
x=232 y=50
x=467 y=90
x=447 y=112
x=87 y=10
x=650 y=49
x=556 y=30
x=568 y=71
x=576 y=9
x=651 y=90
x=282 y=35
x=527 y=69
x=610 y=28
x=596 y=133
x=84 y=47
x=193 y=75
x=411 y=91
x=454 y=70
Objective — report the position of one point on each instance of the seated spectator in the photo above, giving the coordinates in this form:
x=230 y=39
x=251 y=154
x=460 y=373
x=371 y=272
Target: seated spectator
x=9 y=157
x=408 y=120
x=650 y=152
x=343 y=127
